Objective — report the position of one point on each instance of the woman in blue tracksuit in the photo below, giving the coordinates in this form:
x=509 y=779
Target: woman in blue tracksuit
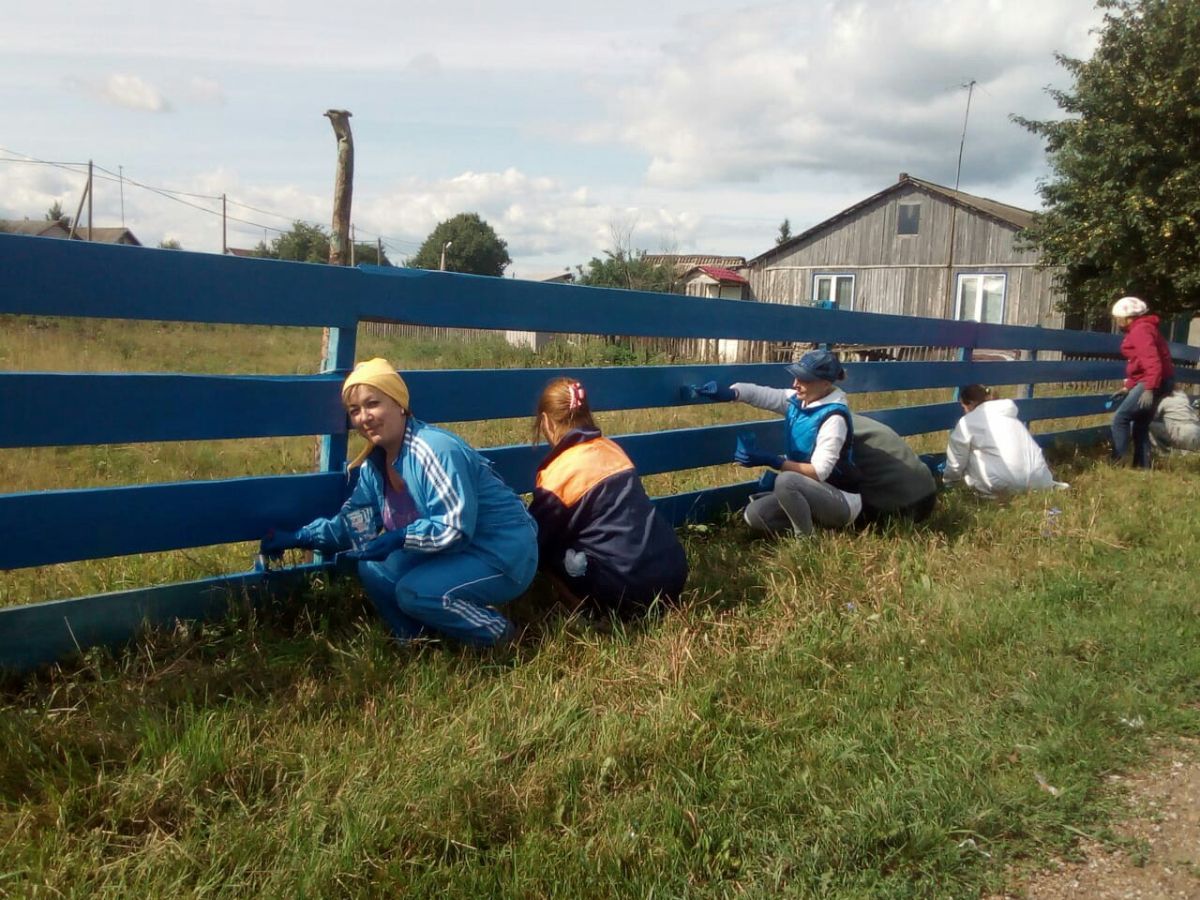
x=818 y=481
x=440 y=540
x=599 y=536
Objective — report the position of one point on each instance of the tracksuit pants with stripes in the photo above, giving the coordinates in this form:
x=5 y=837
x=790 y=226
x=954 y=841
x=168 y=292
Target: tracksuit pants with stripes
x=453 y=593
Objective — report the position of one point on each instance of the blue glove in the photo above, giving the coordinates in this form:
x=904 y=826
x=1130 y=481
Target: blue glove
x=749 y=456
x=711 y=391
x=936 y=467
x=1114 y=399
x=280 y=539
x=381 y=547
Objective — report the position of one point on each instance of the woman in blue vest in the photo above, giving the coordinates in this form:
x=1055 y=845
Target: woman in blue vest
x=817 y=484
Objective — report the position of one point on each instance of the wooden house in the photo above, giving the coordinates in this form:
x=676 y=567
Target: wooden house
x=919 y=249
x=714 y=281
x=61 y=229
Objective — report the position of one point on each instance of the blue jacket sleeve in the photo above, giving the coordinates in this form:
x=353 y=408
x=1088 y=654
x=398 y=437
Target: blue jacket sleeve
x=333 y=534
x=555 y=526
x=445 y=487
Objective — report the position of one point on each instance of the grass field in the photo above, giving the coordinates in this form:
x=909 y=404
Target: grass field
x=888 y=714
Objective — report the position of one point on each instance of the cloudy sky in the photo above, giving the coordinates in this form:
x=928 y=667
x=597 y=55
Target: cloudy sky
x=699 y=126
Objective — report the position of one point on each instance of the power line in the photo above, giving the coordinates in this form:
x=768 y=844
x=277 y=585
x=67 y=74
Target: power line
x=177 y=195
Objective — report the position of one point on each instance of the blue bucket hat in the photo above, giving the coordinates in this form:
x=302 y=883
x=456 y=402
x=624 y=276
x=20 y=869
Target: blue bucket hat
x=815 y=365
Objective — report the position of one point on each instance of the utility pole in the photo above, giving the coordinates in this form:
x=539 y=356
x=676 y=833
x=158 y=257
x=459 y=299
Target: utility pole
x=970 y=86
x=89 y=192
x=224 y=227
x=379 y=251
x=353 y=241
x=446 y=246
x=343 y=187
x=337 y=344
x=121 y=178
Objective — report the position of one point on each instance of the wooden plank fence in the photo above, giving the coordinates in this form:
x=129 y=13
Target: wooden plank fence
x=45 y=277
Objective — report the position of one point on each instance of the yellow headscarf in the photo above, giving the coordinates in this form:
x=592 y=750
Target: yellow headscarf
x=379 y=374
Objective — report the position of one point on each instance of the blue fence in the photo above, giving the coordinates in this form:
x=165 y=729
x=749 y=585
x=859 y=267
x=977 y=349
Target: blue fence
x=47 y=277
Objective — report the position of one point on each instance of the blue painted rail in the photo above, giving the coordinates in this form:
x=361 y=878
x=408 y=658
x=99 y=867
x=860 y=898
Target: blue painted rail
x=47 y=277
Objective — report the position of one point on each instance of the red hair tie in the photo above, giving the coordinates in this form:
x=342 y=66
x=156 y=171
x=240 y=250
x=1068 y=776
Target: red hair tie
x=577 y=395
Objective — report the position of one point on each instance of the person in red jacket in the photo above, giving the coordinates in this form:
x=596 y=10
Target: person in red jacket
x=599 y=536
x=1149 y=377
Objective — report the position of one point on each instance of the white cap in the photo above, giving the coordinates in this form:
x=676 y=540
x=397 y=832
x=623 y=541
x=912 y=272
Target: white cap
x=1129 y=308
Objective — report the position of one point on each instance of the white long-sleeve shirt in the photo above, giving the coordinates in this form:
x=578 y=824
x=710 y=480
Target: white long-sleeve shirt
x=830 y=436
x=994 y=453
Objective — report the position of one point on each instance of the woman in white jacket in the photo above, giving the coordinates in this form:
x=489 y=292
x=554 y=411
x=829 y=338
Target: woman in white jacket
x=991 y=451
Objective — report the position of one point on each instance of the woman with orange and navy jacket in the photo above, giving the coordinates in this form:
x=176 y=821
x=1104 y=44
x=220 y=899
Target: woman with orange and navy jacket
x=599 y=536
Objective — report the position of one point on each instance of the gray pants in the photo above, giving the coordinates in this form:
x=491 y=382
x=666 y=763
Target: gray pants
x=796 y=505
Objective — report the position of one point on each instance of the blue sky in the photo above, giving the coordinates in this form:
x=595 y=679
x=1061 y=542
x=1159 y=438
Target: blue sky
x=697 y=127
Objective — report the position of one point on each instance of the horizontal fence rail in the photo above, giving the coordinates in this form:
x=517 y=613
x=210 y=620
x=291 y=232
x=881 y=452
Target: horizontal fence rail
x=116 y=281
x=45 y=277
x=113 y=408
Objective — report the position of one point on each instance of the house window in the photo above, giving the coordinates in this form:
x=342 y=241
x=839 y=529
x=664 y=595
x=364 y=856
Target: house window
x=909 y=219
x=980 y=298
x=833 y=290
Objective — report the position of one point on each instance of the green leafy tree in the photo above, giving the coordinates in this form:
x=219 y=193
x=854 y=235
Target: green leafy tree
x=785 y=232
x=1122 y=206
x=474 y=247
x=369 y=254
x=170 y=244
x=303 y=243
x=55 y=213
x=628 y=269
x=310 y=243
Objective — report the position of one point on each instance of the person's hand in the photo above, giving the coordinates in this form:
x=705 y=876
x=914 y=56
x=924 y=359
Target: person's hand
x=749 y=456
x=766 y=481
x=710 y=390
x=758 y=458
x=1145 y=402
x=278 y=540
x=1115 y=398
x=381 y=547
x=936 y=466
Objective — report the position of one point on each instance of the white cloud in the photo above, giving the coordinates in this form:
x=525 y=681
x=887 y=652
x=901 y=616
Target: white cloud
x=540 y=218
x=869 y=88
x=546 y=223
x=27 y=191
x=132 y=92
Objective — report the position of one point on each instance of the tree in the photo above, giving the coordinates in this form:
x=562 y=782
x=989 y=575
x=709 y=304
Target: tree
x=624 y=266
x=785 y=232
x=169 y=244
x=310 y=243
x=55 y=213
x=474 y=247
x=1123 y=202
x=303 y=243
x=629 y=269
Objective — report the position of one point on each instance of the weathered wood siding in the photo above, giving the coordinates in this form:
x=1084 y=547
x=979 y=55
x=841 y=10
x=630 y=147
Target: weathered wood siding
x=907 y=274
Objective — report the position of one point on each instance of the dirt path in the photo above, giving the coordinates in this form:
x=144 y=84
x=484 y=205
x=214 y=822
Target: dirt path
x=1159 y=854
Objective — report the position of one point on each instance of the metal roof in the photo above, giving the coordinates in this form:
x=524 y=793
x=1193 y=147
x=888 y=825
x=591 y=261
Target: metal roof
x=723 y=275
x=1006 y=214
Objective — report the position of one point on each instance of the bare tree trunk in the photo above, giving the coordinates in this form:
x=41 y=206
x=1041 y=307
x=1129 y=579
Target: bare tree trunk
x=339 y=240
x=343 y=188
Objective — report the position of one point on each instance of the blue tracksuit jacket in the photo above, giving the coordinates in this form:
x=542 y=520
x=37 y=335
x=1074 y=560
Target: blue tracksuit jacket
x=461 y=502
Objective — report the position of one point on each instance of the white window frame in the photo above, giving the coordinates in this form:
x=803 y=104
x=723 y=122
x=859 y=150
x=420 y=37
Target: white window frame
x=960 y=284
x=833 y=278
